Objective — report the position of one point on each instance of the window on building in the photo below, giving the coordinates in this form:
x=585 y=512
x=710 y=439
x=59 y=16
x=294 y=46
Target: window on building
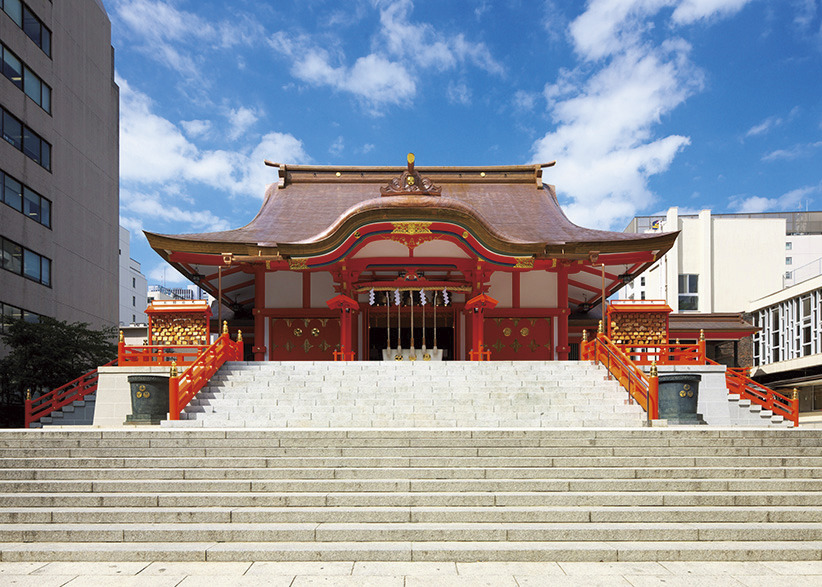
x=788 y=246
x=788 y=260
x=134 y=282
x=134 y=300
x=25 y=262
x=26 y=140
x=25 y=18
x=9 y=313
x=689 y=292
x=642 y=281
x=25 y=79
x=642 y=295
x=25 y=200
x=788 y=274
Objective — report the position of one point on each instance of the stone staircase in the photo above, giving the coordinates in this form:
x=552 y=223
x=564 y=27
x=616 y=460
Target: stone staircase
x=518 y=394
x=527 y=494
x=77 y=413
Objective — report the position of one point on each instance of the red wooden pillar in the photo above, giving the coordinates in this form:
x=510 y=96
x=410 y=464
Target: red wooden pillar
x=259 y=319
x=347 y=307
x=562 y=319
x=477 y=306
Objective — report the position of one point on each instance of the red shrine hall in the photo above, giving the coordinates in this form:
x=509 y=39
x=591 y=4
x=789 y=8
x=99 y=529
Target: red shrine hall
x=410 y=263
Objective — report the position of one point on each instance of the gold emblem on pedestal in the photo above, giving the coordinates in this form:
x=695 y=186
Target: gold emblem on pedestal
x=298 y=264
x=426 y=357
x=524 y=263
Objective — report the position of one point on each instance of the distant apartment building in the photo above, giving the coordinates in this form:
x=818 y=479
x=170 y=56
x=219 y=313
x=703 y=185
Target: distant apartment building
x=58 y=162
x=133 y=285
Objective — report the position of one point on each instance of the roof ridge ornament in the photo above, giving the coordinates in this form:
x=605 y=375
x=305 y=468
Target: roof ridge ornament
x=411 y=183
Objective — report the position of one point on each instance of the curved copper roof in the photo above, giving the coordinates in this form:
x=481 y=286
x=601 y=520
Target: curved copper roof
x=313 y=207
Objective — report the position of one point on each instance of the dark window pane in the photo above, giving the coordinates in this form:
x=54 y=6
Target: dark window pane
x=12 y=68
x=45 y=212
x=14 y=9
x=31 y=204
x=12 y=257
x=31 y=264
x=12 y=130
x=31 y=84
x=10 y=313
x=31 y=144
x=13 y=194
x=31 y=25
x=45 y=154
x=45 y=41
x=46 y=98
x=45 y=271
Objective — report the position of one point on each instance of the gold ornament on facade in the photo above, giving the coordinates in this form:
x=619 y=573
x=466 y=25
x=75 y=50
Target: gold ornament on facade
x=298 y=332
x=298 y=264
x=411 y=227
x=524 y=331
x=524 y=263
x=315 y=332
x=307 y=346
x=506 y=331
x=426 y=357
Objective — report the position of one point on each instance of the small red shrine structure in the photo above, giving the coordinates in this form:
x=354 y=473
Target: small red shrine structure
x=410 y=249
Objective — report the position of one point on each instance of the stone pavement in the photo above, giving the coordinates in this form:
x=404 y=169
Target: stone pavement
x=410 y=574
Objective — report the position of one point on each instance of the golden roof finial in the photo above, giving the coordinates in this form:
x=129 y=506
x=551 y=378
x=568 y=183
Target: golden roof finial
x=410 y=162
x=225 y=326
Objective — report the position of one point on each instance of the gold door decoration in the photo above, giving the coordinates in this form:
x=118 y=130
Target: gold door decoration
x=304 y=339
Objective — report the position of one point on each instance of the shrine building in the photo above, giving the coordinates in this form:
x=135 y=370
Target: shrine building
x=404 y=263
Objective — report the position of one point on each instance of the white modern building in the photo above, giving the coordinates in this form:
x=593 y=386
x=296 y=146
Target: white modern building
x=133 y=285
x=787 y=350
x=722 y=262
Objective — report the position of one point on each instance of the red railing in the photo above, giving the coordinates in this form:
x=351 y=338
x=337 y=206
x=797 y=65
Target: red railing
x=738 y=382
x=484 y=354
x=182 y=388
x=344 y=355
x=644 y=389
x=158 y=355
x=62 y=396
x=666 y=354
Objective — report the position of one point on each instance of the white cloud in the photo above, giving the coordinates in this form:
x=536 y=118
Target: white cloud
x=609 y=26
x=794 y=152
x=458 y=93
x=525 y=101
x=791 y=200
x=176 y=38
x=337 y=147
x=770 y=123
x=240 y=120
x=153 y=151
x=149 y=204
x=425 y=45
x=196 y=128
x=604 y=142
x=607 y=108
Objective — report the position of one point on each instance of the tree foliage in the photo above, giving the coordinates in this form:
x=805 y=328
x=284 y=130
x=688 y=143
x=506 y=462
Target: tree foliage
x=47 y=354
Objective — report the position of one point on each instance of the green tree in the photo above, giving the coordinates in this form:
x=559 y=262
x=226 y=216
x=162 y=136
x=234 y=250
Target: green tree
x=44 y=355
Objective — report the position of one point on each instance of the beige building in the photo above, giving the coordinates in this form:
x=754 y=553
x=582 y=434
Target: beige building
x=58 y=162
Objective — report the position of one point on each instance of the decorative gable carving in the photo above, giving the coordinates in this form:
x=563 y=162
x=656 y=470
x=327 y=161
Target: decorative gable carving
x=410 y=183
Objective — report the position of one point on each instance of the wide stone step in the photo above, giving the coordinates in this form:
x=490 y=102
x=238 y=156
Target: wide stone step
x=414 y=532
x=455 y=471
x=383 y=514
x=408 y=551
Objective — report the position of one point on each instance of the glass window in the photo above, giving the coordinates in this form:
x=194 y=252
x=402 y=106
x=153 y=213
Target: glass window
x=46 y=98
x=45 y=212
x=12 y=68
x=45 y=41
x=13 y=193
x=788 y=260
x=31 y=204
x=45 y=271
x=14 y=8
x=31 y=264
x=788 y=246
x=45 y=154
x=12 y=130
x=30 y=317
x=788 y=274
x=12 y=256
x=688 y=292
x=31 y=144
x=31 y=85
x=10 y=313
x=31 y=25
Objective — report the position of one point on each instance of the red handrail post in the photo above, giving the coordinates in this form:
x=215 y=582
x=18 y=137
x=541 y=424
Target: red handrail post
x=173 y=394
x=653 y=394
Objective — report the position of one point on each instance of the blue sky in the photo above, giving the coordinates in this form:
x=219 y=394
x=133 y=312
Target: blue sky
x=644 y=104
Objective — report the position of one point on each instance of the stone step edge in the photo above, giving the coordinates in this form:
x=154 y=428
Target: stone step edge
x=412 y=551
